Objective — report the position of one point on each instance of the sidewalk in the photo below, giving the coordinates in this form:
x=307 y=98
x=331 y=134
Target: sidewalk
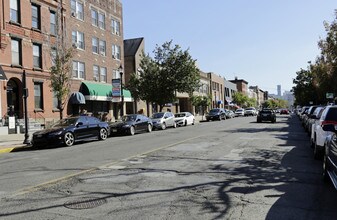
x=11 y=141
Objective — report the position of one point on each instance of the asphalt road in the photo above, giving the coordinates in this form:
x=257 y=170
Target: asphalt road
x=233 y=169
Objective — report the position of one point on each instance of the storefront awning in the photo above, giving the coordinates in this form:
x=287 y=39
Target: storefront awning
x=2 y=74
x=77 y=98
x=102 y=92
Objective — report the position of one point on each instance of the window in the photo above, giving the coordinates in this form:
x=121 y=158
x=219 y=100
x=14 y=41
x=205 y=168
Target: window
x=94 y=17
x=53 y=56
x=37 y=62
x=95 y=45
x=116 y=52
x=96 y=72
x=101 y=20
x=77 y=9
x=55 y=102
x=78 y=70
x=16 y=52
x=102 y=47
x=115 y=74
x=53 y=23
x=15 y=11
x=103 y=74
x=115 y=27
x=36 y=16
x=78 y=39
x=38 y=98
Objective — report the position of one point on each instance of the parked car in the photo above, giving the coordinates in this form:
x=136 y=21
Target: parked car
x=69 y=130
x=266 y=114
x=162 y=120
x=216 y=114
x=239 y=112
x=131 y=124
x=229 y=114
x=320 y=129
x=184 y=118
x=307 y=116
x=251 y=111
x=330 y=157
x=284 y=112
x=312 y=118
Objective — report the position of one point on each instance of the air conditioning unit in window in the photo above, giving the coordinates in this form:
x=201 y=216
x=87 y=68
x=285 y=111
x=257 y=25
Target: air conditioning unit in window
x=73 y=14
x=75 y=45
x=113 y=56
x=102 y=53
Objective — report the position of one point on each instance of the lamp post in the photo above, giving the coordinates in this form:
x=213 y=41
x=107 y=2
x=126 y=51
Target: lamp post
x=120 y=69
x=25 y=96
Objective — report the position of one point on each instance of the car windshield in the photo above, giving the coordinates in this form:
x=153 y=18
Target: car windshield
x=266 y=111
x=158 y=115
x=178 y=115
x=249 y=109
x=214 y=111
x=65 y=122
x=239 y=110
x=129 y=118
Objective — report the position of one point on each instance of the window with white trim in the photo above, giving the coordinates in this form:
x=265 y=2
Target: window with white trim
x=96 y=72
x=102 y=47
x=103 y=74
x=53 y=22
x=78 y=70
x=116 y=52
x=37 y=58
x=77 y=9
x=101 y=20
x=95 y=45
x=78 y=39
x=16 y=51
x=38 y=95
x=115 y=26
x=36 y=16
x=94 y=17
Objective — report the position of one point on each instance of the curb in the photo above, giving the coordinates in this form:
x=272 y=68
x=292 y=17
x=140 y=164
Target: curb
x=14 y=149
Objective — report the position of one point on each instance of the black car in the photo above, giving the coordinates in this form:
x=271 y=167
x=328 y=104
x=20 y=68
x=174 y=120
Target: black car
x=131 y=124
x=67 y=131
x=266 y=114
x=330 y=156
x=216 y=114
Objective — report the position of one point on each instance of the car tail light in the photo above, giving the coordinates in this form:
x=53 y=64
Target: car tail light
x=328 y=122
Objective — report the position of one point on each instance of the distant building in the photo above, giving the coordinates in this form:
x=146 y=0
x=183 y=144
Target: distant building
x=279 y=90
x=241 y=85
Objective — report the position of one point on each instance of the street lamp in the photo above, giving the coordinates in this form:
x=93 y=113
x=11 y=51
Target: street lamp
x=120 y=69
x=25 y=96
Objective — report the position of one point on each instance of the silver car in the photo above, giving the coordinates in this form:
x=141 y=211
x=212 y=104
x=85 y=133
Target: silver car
x=162 y=120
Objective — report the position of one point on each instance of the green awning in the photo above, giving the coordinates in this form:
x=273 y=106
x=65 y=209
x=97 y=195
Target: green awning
x=102 y=92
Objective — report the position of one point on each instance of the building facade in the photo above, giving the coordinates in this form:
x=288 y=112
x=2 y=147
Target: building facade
x=217 y=90
x=241 y=85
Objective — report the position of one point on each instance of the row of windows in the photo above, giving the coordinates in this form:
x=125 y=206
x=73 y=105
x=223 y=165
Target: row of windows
x=17 y=57
x=97 y=17
x=98 y=45
x=99 y=73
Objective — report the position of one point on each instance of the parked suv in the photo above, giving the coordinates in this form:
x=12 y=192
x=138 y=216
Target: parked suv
x=216 y=114
x=266 y=114
x=162 y=120
x=320 y=129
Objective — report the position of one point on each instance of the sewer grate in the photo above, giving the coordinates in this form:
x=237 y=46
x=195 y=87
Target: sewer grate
x=85 y=203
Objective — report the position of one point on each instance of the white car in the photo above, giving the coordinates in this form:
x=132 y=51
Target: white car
x=320 y=129
x=239 y=112
x=184 y=118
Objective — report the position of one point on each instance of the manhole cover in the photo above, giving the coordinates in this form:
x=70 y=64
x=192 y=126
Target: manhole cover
x=85 y=203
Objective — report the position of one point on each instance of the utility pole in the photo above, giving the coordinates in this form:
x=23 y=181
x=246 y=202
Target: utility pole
x=25 y=96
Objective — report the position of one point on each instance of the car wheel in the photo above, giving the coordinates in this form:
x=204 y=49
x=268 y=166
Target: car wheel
x=325 y=169
x=163 y=126
x=193 y=122
x=103 y=134
x=219 y=118
x=69 y=139
x=149 y=128
x=132 y=130
x=185 y=123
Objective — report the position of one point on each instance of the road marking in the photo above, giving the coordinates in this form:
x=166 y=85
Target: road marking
x=45 y=184
x=6 y=150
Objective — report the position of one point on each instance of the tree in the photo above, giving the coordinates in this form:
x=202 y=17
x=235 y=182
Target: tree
x=239 y=98
x=201 y=101
x=61 y=55
x=171 y=70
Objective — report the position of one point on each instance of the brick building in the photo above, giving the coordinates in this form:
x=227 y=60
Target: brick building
x=241 y=85
x=28 y=31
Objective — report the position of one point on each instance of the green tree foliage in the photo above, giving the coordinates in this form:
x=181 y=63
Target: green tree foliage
x=240 y=99
x=320 y=77
x=275 y=103
x=251 y=102
x=171 y=70
x=201 y=101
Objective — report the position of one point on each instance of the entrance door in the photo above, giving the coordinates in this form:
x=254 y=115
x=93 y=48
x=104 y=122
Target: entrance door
x=13 y=101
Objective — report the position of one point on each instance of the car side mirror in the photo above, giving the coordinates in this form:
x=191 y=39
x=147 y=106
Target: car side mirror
x=329 y=127
x=79 y=124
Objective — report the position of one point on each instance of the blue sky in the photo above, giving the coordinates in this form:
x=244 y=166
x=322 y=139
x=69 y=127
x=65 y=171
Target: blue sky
x=264 y=42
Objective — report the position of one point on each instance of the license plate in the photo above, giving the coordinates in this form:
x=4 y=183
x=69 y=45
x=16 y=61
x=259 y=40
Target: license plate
x=264 y=115
x=114 y=130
